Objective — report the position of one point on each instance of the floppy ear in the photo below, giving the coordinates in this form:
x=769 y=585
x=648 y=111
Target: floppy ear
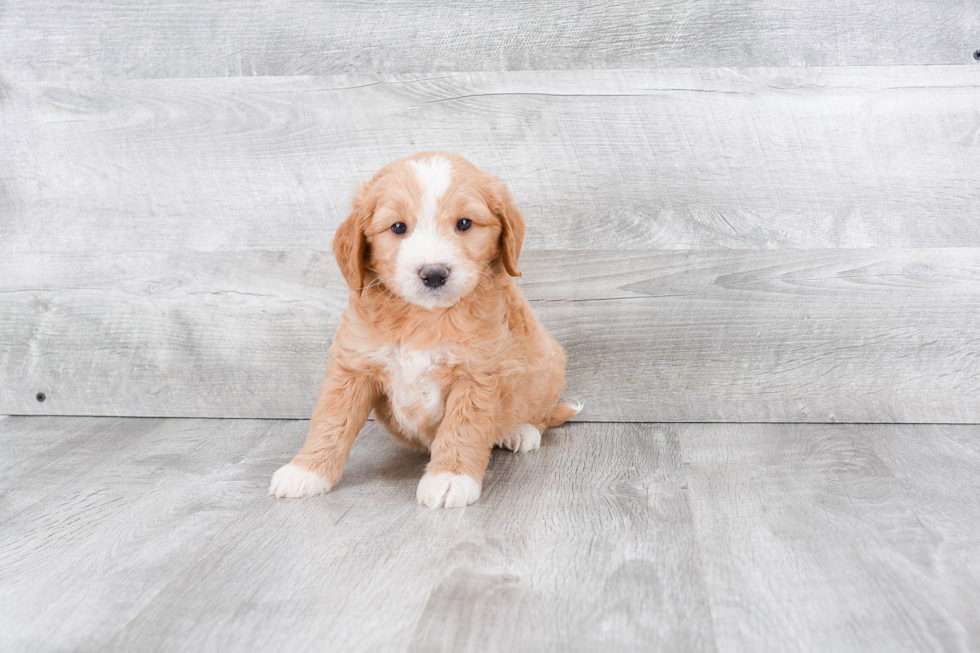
x=512 y=223
x=350 y=246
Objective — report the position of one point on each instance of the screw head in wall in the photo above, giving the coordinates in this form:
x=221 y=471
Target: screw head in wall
x=976 y=55
x=40 y=396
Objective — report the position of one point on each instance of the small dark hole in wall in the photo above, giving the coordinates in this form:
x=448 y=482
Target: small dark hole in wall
x=41 y=396
x=976 y=55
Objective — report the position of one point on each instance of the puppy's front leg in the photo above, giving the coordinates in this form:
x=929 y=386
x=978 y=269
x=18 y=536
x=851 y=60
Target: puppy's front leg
x=461 y=449
x=345 y=401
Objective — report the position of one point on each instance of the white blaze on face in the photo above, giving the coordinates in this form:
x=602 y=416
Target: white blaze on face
x=426 y=246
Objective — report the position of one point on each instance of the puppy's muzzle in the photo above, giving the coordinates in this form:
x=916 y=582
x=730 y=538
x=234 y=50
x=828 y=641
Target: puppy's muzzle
x=434 y=276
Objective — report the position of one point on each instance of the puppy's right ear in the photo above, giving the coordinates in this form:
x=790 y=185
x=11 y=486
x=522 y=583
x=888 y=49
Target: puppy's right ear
x=350 y=245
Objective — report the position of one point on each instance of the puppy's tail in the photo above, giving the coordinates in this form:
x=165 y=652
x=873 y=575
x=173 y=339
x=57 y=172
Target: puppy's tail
x=563 y=411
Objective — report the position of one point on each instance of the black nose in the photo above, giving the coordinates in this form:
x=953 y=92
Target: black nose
x=434 y=276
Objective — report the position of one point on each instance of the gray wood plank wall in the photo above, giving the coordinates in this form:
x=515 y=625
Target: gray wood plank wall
x=58 y=39
x=768 y=241
x=795 y=158
x=876 y=335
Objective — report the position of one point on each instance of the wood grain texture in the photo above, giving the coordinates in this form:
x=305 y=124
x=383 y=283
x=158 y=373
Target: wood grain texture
x=108 y=511
x=811 y=541
x=798 y=335
x=158 y=536
x=943 y=490
x=56 y=39
x=170 y=543
x=670 y=159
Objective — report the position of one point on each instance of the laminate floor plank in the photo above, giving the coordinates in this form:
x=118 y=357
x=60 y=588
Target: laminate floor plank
x=611 y=537
x=587 y=544
x=938 y=467
x=810 y=541
x=96 y=531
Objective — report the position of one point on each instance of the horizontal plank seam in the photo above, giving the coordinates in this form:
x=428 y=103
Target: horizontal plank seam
x=576 y=421
x=406 y=78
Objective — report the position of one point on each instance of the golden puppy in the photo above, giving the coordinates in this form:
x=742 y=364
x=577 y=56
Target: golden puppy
x=437 y=340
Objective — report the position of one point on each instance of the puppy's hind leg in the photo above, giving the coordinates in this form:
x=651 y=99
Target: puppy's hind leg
x=527 y=437
x=564 y=411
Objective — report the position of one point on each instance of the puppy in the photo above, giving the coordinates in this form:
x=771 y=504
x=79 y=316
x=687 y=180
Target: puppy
x=437 y=339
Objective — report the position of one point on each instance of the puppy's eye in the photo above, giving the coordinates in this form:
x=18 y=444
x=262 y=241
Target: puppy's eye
x=463 y=224
x=399 y=228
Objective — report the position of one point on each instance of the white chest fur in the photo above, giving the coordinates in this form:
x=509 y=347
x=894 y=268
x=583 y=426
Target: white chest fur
x=415 y=396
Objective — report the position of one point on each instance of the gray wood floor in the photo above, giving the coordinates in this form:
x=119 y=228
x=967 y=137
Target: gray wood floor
x=156 y=535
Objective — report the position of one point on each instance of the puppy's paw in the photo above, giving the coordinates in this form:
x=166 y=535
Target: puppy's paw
x=293 y=482
x=447 y=490
x=525 y=438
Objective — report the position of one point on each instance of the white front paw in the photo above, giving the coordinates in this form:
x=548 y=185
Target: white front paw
x=447 y=490
x=525 y=438
x=293 y=482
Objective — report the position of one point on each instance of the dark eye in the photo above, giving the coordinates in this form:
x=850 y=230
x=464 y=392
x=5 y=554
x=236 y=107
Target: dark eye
x=399 y=228
x=463 y=224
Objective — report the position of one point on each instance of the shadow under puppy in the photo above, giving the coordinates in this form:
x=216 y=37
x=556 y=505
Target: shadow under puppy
x=438 y=340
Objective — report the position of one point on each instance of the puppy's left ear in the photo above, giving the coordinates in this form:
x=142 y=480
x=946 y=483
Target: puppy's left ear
x=512 y=223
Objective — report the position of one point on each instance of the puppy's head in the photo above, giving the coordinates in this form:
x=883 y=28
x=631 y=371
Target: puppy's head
x=428 y=228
